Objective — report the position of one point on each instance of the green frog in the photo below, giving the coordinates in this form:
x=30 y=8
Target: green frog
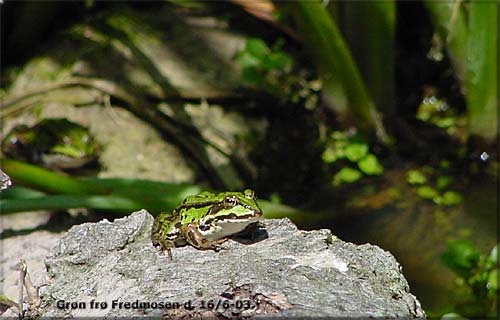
x=206 y=220
x=53 y=143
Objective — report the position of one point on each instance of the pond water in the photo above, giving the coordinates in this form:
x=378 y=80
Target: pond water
x=415 y=231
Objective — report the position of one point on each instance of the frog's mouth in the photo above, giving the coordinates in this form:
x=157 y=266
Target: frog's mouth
x=234 y=218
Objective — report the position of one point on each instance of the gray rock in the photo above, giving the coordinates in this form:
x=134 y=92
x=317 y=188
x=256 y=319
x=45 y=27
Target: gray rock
x=283 y=272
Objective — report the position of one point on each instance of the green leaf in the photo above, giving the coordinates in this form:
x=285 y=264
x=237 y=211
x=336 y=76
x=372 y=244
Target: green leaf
x=450 y=198
x=492 y=258
x=277 y=61
x=370 y=165
x=247 y=60
x=346 y=175
x=343 y=87
x=446 y=122
x=493 y=280
x=414 y=177
x=427 y=192
x=461 y=257
x=443 y=182
x=332 y=154
x=257 y=48
x=355 y=151
x=482 y=68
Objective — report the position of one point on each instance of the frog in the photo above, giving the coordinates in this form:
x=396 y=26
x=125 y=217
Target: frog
x=206 y=220
x=53 y=143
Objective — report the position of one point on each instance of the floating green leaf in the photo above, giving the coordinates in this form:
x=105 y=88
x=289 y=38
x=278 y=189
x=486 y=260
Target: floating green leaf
x=414 y=177
x=443 y=181
x=450 y=198
x=346 y=175
x=370 y=165
x=356 y=151
x=427 y=192
x=332 y=154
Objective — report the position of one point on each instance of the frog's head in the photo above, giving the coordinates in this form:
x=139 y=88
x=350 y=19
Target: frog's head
x=233 y=213
x=73 y=146
x=52 y=142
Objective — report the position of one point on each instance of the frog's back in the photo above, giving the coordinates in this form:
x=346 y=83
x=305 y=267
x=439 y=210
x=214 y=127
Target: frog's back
x=163 y=225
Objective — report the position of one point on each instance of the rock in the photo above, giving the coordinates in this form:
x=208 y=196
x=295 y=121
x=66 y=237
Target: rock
x=112 y=269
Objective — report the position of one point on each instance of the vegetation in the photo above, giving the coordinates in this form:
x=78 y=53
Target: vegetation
x=338 y=111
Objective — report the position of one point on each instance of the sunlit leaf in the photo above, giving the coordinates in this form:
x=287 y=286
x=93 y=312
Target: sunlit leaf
x=355 y=151
x=346 y=175
x=370 y=165
x=332 y=154
x=414 y=177
x=450 y=198
x=493 y=280
x=492 y=258
x=427 y=192
x=247 y=60
x=257 y=47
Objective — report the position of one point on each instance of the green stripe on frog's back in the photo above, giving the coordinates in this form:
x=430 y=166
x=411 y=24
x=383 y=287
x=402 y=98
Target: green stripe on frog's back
x=194 y=211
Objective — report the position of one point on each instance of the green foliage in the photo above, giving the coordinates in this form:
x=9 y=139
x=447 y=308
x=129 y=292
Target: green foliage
x=354 y=151
x=461 y=257
x=262 y=65
x=344 y=89
x=477 y=274
x=449 y=198
x=346 y=175
x=437 y=112
x=370 y=165
x=57 y=191
x=270 y=69
x=470 y=34
x=443 y=182
x=437 y=191
x=482 y=69
x=427 y=192
x=415 y=177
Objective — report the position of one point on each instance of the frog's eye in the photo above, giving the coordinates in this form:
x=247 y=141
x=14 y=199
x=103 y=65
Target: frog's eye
x=203 y=227
x=230 y=201
x=249 y=194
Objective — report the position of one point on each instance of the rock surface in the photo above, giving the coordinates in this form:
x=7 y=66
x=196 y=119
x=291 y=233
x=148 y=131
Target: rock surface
x=284 y=272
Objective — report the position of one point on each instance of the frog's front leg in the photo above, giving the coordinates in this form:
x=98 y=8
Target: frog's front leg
x=165 y=245
x=193 y=235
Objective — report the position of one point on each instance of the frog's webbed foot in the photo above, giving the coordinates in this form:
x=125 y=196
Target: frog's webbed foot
x=217 y=245
x=165 y=247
